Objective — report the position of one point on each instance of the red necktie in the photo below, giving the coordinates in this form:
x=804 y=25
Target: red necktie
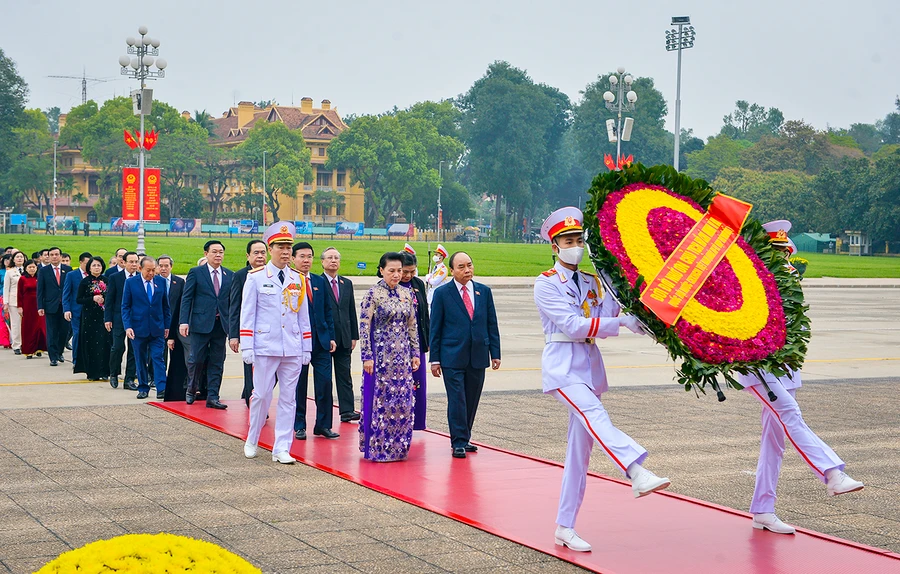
x=334 y=287
x=308 y=289
x=467 y=301
x=57 y=274
x=216 y=281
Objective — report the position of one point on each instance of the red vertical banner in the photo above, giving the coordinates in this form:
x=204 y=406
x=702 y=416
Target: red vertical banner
x=440 y=222
x=130 y=193
x=151 y=193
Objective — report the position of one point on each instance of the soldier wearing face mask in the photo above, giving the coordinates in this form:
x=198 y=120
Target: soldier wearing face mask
x=574 y=311
x=439 y=273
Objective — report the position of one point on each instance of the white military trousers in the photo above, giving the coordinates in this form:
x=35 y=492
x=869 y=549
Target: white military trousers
x=264 y=370
x=15 y=328
x=589 y=423
x=779 y=419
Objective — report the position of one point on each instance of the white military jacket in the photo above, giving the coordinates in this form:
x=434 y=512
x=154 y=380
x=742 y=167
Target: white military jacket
x=439 y=276
x=275 y=315
x=577 y=313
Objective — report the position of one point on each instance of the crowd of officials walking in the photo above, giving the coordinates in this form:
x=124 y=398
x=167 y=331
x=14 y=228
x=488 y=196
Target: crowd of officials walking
x=172 y=334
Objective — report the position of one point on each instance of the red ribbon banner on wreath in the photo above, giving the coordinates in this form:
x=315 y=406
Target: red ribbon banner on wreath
x=688 y=267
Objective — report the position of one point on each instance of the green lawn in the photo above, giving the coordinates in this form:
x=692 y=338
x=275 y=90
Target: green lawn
x=491 y=259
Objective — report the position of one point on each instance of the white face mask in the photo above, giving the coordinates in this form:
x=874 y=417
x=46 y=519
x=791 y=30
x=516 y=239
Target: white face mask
x=437 y=258
x=571 y=255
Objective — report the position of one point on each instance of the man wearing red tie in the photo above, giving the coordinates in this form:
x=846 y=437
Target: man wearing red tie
x=50 y=281
x=465 y=340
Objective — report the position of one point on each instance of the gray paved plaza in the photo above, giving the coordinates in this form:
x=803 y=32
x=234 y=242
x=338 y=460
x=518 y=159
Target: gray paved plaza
x=81 y=462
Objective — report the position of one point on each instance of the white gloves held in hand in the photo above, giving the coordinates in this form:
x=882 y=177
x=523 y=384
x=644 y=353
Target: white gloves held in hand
x=248 y=356
x=631 y=323
x=305 y=357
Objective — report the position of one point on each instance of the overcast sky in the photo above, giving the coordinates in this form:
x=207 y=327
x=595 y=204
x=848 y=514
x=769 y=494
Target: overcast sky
x=828 y=62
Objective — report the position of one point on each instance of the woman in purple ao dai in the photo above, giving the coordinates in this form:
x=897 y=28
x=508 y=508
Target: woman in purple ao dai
x=389 y=345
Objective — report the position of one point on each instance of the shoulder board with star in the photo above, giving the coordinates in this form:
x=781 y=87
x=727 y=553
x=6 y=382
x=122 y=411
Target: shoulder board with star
x=549 y=272
x=255 y=269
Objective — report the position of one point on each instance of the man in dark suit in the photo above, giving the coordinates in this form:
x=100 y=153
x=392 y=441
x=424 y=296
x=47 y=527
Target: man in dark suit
x=465 y=340
x=204 y=318
x=322 y=346
x=117 y=263
x=179 y=348
x=112 y=316
x=71 y=308
x=50 y=281
x=146 y=318
x=256 y=257
x=420 y=376
x=346 y=330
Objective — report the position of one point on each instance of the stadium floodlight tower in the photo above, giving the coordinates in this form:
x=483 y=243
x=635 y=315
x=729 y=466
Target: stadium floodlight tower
x=678 y=40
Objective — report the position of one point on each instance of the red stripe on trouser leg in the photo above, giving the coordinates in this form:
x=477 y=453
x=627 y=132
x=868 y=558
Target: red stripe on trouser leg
x=587 y=423
x=765 y=403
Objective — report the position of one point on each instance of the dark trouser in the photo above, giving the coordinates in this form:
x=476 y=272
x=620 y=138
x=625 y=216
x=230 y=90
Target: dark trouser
x=463 y=393
x=150 y=351
x=57 y=333
x=207 y=349
x=321 y=364
x=343 y=381
x=115 y=356
x=75 y=324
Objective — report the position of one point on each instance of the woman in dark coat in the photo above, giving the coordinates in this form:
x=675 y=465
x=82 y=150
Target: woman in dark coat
x=34 y=328
x=94 y=340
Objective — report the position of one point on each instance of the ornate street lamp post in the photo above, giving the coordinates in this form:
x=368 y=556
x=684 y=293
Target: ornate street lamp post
x=622 y=100
x=143 y=56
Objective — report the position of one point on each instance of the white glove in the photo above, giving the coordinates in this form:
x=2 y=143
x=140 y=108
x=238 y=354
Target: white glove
x=631 y=323
x=248 y=356
x=305 y=357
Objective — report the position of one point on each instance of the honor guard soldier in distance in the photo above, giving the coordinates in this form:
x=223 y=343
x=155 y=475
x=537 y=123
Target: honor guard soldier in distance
x=573 y=313
x=276 y=339
x=782 y=418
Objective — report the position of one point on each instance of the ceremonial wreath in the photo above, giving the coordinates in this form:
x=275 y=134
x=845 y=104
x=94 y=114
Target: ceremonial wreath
x=699 y=274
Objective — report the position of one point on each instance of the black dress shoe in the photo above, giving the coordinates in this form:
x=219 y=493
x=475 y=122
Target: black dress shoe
x=130 y=386
x=17 y=352
x=53 y=363
x=142 y=395
x=189 y=398
x=216 y=405
x=327 y=433
x=459 y=453
x=470 y=448
x=350 y=417
x=300 y=434
x=68 y=346
x=114 y=382
x=160 y=396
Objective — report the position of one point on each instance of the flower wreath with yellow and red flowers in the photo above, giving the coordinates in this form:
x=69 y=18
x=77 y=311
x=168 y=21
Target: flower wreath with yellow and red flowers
x=748 y=317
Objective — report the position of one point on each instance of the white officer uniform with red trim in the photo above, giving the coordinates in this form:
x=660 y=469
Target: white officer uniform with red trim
x=574 y=311
x=782 y=418
x=275 y=329
x=439 y=275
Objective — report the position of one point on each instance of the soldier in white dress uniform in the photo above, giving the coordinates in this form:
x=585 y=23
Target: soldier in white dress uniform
x=439 y=273
x=573 y=313
x=782 y=418
x=276 y=339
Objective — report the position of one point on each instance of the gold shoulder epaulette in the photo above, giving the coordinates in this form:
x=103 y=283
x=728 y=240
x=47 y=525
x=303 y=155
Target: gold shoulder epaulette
x=592 y=274
x=255 y=269
x=549 y=272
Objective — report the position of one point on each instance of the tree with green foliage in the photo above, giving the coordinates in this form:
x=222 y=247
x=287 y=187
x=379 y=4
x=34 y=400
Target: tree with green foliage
x=513 y=129
x=867 y=137
x=287 y=162
x=774 y=194
x=180 y=152
x=220 y=169
x=29 y=180
x=798 y=146
x=883 y=217
x=752 y=122
x=889 y=127
x=53 y=118
x=205 y=120
x=13 y=95
x=840 y=197
x=719 y=153
x=650 y=142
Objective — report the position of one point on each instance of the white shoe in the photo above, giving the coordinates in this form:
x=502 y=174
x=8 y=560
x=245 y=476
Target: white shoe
x=644 y=482
x=768 y=521
x=249 y=450
x=568 y=537
x=841 y=483
x=283 y=458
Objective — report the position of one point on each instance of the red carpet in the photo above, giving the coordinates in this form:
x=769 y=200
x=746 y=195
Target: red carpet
x=514 y=496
